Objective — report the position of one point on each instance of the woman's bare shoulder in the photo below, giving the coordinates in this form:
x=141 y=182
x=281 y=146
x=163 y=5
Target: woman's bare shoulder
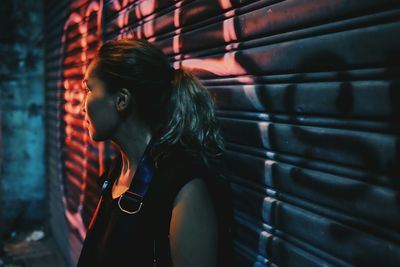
x=193 y=226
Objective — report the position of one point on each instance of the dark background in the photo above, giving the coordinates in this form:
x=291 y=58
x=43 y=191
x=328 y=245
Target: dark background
x=307 y=94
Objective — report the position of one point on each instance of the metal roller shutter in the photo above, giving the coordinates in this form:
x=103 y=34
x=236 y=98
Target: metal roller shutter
x=308 y=98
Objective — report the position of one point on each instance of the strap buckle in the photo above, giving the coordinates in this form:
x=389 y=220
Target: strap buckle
x=133 y=197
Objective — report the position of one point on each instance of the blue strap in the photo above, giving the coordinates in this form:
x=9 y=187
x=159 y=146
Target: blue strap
x=131 y=201
x=143 y=175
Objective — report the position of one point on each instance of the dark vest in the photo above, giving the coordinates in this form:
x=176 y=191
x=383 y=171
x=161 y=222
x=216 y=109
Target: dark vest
x=117 y=238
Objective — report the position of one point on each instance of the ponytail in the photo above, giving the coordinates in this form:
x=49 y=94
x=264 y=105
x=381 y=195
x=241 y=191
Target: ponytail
x=191 y=121
x=174 y=103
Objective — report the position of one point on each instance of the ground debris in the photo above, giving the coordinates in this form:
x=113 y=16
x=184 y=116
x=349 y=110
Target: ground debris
x=29 y=249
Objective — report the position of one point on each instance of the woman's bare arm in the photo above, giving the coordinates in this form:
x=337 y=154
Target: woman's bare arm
x=193 y=227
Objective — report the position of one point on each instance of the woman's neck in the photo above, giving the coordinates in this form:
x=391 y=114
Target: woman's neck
x=131 y=144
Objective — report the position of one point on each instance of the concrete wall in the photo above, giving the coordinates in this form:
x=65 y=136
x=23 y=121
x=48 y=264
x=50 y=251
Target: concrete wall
x=22 y=177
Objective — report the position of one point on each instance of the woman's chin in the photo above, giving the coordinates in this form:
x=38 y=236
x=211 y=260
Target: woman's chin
x=91 y=135
x=90 y=132
x=95 y=137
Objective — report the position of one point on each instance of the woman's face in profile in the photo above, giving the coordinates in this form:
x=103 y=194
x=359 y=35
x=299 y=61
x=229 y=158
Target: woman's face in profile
x=101 y=115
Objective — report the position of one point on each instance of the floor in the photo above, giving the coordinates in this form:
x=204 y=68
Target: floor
x=30 y=249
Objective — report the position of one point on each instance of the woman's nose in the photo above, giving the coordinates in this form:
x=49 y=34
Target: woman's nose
x=83 y=104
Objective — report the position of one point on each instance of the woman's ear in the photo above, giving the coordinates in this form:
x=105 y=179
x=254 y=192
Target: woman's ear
x=124 y=97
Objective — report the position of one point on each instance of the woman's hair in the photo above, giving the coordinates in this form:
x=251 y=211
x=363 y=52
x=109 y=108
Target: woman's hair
x=172 y=102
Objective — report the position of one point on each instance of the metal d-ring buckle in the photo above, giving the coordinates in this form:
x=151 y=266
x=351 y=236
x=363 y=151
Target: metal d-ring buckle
x=127 y=211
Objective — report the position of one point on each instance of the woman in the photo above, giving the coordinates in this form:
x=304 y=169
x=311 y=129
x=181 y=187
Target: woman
x=157 y=206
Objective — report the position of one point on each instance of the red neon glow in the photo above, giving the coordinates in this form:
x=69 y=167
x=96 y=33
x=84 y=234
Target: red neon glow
x=77 y=169
x=147 y=7
x=225 y=4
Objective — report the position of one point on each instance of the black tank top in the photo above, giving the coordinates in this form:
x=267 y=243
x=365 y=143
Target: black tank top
x=115 y=238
